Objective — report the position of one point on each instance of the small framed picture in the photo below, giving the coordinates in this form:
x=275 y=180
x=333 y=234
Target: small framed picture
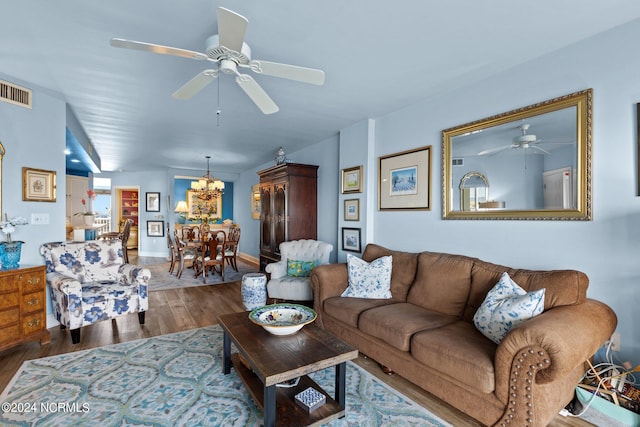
x=155 y=228
x=352 y=210
x=352 y=180
x=351 y=239
x=404 y=180
x=153 y=202
x=38 y=185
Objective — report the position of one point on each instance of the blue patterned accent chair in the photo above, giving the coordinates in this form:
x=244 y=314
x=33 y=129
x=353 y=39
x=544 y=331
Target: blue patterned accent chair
x=89 y=282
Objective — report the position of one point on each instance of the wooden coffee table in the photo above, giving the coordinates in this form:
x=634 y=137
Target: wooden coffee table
x=265 y=360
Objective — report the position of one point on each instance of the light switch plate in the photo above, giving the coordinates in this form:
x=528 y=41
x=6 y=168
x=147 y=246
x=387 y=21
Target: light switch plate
x=39 y=218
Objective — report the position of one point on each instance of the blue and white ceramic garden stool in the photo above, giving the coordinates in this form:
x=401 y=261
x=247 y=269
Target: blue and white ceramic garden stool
x=254 y=290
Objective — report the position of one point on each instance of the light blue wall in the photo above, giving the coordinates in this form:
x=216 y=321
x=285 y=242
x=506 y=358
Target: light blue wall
x=607 y=248
x=149 y=181
x=325 y=155
x=33 y=138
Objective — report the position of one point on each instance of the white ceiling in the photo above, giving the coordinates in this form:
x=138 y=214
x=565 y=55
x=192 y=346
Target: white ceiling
x=378 y=57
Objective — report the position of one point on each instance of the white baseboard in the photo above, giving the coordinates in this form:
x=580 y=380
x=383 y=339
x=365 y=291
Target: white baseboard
x=52 y=321
x=249 y=258
x=162 y=254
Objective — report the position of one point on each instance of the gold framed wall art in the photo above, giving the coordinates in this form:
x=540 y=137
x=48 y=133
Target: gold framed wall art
x=38 y=185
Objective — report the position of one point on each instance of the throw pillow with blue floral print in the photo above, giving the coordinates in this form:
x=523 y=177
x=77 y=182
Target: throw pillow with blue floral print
x=506 y=306
x=369 y=280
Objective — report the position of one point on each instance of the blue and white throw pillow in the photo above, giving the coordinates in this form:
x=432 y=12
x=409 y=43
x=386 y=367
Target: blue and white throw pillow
x=506 y=306
x=369 y=280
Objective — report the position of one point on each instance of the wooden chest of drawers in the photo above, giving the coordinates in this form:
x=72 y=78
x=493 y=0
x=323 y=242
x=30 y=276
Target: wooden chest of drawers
x=23 y=306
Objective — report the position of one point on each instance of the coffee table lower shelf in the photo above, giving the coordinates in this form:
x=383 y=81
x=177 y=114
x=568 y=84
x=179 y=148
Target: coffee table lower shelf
x=288 y=413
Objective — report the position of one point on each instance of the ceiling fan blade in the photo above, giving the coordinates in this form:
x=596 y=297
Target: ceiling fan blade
x=291 y=72
x=493 y=150
x=196 y=84
x=231 y=29
x=535 y=147
x=257 y=94
x=156 y=48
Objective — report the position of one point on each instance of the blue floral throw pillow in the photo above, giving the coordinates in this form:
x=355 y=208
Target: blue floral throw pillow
x=298 y=268
x=506 y=306
x=369 y=280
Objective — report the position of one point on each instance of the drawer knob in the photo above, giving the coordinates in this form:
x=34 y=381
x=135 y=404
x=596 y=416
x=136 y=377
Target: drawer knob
x=35 y=301
x=33 y=280
x=33 y=323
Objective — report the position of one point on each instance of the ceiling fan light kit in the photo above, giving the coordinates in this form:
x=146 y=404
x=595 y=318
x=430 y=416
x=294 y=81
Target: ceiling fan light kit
x=229 y=50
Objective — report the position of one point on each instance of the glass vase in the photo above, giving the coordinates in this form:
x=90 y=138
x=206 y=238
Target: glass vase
x=10 y=254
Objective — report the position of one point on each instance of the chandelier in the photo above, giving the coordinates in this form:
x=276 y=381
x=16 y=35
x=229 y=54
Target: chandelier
x=207 y=187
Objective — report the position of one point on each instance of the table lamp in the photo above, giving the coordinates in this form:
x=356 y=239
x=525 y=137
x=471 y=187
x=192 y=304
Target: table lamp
x=182 y=209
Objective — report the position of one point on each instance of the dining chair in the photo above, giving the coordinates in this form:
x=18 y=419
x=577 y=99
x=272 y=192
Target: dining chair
x=188 y=233
x=185 y=254
x=230 y=250
x=210 y=254
x=123 y=235
x=173 y=252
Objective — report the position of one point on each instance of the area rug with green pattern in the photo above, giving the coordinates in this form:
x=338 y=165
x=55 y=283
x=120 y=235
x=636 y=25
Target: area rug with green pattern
x=174 y=380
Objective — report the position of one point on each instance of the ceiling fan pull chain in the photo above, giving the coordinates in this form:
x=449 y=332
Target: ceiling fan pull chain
x=218 y=110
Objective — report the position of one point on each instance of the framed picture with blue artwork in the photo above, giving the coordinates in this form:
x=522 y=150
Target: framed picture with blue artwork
x=404 y=180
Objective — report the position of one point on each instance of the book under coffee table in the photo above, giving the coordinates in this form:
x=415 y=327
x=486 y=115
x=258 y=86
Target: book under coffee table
x=264 y=360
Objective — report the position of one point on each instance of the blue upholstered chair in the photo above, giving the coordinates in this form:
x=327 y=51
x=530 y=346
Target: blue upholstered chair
x=89 y=282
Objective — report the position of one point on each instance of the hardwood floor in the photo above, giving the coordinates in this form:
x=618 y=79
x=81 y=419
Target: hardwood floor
x=177 y=310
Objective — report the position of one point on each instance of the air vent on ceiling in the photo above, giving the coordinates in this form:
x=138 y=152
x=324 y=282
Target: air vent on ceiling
x=15 y=94
x=457 y=162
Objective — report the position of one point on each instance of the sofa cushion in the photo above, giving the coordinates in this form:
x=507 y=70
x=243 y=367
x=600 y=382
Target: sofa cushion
x=348 y=310
x=562 y=287
x=403 y=266
x=506 y=306
x=94 y=292
x=459 y=351
x=368 y=280
x=396 y=323
x=442 y=283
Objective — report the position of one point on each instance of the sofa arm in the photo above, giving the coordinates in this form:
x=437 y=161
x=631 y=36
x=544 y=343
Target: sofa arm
x=276 y=269
x=328 y=280
x=64 y=284
x=550 y=347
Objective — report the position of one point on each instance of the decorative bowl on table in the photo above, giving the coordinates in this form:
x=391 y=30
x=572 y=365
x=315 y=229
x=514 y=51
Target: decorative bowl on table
x=282 y=319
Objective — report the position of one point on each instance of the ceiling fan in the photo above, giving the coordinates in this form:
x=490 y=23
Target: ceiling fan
x=229 y=51
x=524 y=141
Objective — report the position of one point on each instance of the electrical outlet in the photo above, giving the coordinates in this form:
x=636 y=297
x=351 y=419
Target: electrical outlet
x=615 y=341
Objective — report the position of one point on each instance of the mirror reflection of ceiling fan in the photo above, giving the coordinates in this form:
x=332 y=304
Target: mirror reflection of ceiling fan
x=229 y=51
x=525 y=141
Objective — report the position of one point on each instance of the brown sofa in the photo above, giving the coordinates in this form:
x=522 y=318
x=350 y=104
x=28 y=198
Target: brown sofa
x=425 y=333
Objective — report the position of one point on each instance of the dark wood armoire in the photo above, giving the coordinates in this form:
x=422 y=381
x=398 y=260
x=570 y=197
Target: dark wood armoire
x=288 y=207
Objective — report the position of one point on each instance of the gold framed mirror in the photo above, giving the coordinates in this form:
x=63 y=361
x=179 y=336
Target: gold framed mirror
x=538 y=159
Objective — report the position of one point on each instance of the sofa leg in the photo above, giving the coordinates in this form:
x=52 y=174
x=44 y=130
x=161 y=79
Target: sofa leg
x=387 y=370
x=75 y=336
x=141 y=317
